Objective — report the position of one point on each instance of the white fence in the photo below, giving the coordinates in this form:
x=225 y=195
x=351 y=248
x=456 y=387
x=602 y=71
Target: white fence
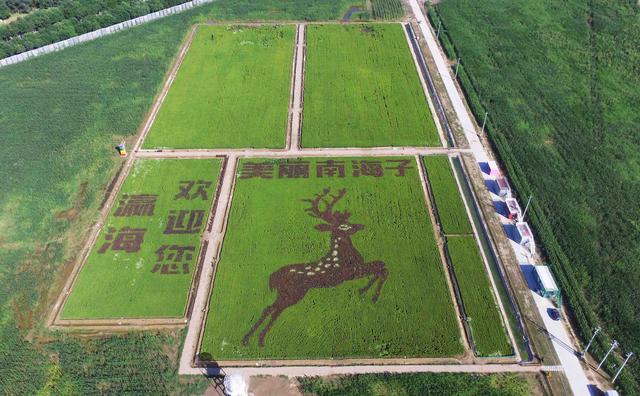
x=101 y=32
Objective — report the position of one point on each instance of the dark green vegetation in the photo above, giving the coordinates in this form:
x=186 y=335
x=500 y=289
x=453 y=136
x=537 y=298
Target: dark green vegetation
x=421 y=384
x=362 y=89
x=483 y=315
x=143 y=282
x=269 y=229
x=232 y=90
x=560 y=82
x=387 y=9
x=60 y=116
x=56 y=20
x=451 y=210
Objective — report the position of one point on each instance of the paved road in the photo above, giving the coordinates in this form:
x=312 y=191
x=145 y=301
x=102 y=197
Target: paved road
x=443 y=70
x=560 y=337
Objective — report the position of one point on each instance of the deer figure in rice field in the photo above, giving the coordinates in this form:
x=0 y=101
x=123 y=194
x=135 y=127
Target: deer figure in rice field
x=342 y=263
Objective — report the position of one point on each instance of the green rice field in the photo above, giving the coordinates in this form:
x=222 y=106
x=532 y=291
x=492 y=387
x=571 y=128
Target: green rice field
x=487 y=328
x=143 y=261
x=451 y=210
x=362 y=89
x=231 y=91
x=269 y=229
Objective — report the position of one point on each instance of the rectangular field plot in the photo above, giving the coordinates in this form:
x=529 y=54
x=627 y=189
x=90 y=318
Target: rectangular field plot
x=144 y=259
x=231 y=91
x=451 y=211
x=362 y=89
x=338 y=256
x=487 y=329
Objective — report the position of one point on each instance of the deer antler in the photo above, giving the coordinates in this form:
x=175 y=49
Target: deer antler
x=326 y=214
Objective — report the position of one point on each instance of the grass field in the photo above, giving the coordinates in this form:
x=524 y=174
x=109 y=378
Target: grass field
x=451 y=210
x=231 y=91
x=268 y=229
x=361 y=89
x=487 y=328
x=420 y=384
x=149 y=278
x=562 y=102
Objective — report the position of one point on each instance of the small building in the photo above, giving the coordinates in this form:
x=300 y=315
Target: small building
x=513 y=209
x=547 y=286
x=526 y=236
x=504 y=190
x=494 y=171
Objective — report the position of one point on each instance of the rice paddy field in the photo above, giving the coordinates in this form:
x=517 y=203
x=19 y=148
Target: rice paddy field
x=231 y=91
x=362 y=89
x=449 y=204
x=144 y=259
x=487 y=327
x=270 y=228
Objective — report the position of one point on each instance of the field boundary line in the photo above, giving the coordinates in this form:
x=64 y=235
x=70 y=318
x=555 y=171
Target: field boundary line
x=202 y=300
x=485 y=261
x=425 y=88
x=195 y=280
x=454 y=293
x=54 y=317
x=307 y=152
x=297 y=89
x=300 y=371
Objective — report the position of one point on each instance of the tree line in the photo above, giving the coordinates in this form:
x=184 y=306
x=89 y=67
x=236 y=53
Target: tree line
x=49 y=21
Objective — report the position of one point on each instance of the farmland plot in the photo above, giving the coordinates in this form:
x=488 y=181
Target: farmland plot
x=487 y=329
x=145 y=256
x=377 y=237
x=450 y=206
x=362 y=89
x=231 y=91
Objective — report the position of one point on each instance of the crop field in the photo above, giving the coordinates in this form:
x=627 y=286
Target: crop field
x=231 y=91
x=562 y=102
x=362 y=89
x=387 y=9
x=145 y=256
x=415 y=384
x=487 y=329
x=451 y=210
x=306 y=262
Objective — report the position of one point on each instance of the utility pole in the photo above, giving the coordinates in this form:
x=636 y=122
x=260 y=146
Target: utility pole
x=621 y=367
x=595 y=333
x=439 y=26
x=526 y=207
x=613 y=345
x=485 y=120
x=457 y=66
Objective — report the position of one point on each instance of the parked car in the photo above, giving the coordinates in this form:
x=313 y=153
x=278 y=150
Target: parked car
x=554 y=313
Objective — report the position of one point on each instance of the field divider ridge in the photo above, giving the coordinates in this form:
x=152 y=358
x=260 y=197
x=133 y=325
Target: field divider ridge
x=200 y=309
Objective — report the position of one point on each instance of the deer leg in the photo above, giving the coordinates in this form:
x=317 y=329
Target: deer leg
x=368 y=286
x=382 y=277
x=263 y=333
x=268 y=310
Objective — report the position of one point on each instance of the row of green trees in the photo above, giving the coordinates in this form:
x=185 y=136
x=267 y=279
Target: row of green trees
x=61 y=19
